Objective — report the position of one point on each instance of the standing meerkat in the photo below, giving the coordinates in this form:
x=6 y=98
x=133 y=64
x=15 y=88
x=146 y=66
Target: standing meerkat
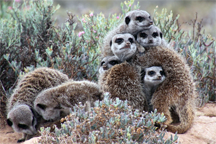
x=54 y=103
x=177 y=92
x=134 y=21
x=20 y=113
x=151 y=37
x=123 y=81
x=152 y=77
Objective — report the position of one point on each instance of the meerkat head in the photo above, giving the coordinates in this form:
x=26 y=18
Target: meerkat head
x=150 y=37
x=47 y=106
x=138 y=20
x=123 y=46
x=107 y=63
x=22 y=119
x=154 y=75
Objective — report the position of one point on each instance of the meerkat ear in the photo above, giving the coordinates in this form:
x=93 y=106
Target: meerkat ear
x=9 y=122
x=127 y=20
x=161 y=35
x=110 y=43
x=135 y=36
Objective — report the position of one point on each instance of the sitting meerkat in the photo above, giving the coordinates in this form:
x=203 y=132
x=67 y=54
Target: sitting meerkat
x=151 y=37
x=176 y=94
x=134 y=21
x=54 y=103
x=20 y=113
x=123 y=81
x=152 y=77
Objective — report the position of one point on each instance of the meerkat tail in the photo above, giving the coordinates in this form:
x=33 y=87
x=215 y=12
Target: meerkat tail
x=186 y=119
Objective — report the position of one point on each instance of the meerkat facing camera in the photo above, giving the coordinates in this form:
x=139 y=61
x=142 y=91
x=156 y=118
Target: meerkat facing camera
x=55 y=103
x=20 y=113
x=151 y=37
x=123 y=46
x=152 y=77
x=134 y=21
x=176 y=92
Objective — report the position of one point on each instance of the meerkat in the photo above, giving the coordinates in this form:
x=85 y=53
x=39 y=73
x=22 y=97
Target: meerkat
x=151 y=37
x=152 y=77
x=134 y=21
x=123 y=46
x=20 y=113
x=55 y=102
x=107 y=63
x=176 y=94
x=124 y=81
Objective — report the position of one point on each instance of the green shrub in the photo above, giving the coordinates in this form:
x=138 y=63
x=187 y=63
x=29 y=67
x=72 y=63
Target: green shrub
x=197 y=48
x=108 y=122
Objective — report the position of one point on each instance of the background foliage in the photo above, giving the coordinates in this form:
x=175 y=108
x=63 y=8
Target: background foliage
x=30 y=38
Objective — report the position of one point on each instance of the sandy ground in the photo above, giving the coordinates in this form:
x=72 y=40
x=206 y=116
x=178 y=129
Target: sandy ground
x=203 y=130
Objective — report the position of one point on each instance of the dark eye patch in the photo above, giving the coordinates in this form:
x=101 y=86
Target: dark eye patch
x=162 y=72
x=149 y=17
x=131 y=40
x=143 y=35
x=155 y=34
x=43 y=107
x=140 y=19
x=23 y=126
x=119 y=40
x=114 y=62
x=151 y=73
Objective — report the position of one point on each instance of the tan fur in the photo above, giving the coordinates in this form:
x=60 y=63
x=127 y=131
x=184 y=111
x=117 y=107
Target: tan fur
x=57 y=101
x=133 y=27
x=176 y=95
x=20 y=104
x=123 y=81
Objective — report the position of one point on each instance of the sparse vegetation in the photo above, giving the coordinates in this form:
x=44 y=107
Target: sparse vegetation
x=29 y=38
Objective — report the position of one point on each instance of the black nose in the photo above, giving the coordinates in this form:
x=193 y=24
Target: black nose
x=151 y=23
x=150 y=41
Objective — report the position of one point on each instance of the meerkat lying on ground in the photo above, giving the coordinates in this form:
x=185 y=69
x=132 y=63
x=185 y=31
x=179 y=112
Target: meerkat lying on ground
x=151 y=37
x=124 y=81
x=20 y=113
x=134 y=21
x=152 y=77
x=177 y=92
x=55 y=102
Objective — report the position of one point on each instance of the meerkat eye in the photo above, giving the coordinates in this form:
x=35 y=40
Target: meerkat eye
x=102 y=63
x=119 y=40
x=162 y=72
x=149 y=17
x=155 y=34
x=43 y=107
x=151 y=73
x=131 y=40
x=140 y=19
x=143 y=35
x=113 y=62
x=22 y=126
